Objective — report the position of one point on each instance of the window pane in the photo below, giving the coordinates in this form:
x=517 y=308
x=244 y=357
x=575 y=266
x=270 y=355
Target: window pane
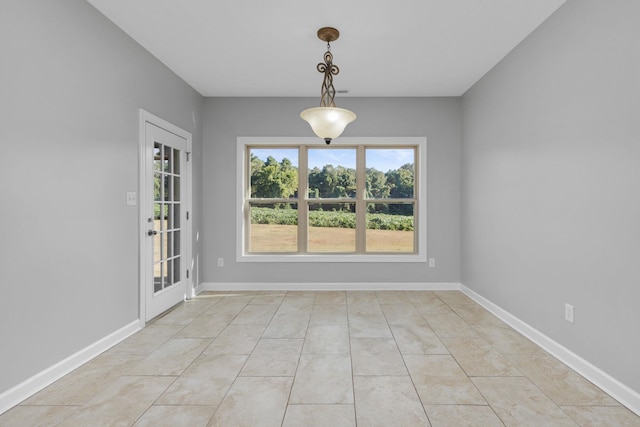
x=274 y=173
x=332 y=227
x=390 y=173
x=332 y=173
x=274 y=227
x=390 y=227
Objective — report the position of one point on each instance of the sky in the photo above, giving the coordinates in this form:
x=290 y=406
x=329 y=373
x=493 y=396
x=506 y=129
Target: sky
x=383 y=159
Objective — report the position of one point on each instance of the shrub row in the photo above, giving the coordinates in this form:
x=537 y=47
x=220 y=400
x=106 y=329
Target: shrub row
x=274 y=216
x=336 y=219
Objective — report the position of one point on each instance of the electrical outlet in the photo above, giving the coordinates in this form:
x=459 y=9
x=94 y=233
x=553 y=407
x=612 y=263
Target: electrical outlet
x=220 y=262
x=432 y=262
x=568 y=312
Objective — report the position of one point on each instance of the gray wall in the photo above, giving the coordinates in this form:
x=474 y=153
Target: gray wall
x=439 y=119
x=551 y=183
x=71 y=84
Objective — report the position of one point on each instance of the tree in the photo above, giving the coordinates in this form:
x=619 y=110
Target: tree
x=345 y=182
x=272 y=179
x=401 y=186
x=401 y=182
x=256 y=166
x=376 y=187
x=332 y=182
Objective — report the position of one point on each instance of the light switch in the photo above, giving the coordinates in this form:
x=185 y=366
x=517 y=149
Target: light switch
x=132 y=198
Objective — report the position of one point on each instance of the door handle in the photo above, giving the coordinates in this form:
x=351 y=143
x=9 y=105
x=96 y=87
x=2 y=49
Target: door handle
x=152 y=232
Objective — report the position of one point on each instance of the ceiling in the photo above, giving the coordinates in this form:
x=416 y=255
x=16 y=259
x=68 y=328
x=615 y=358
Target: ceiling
x=386 y=47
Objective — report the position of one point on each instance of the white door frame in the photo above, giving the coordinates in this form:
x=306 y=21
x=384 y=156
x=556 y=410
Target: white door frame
x=147 y=117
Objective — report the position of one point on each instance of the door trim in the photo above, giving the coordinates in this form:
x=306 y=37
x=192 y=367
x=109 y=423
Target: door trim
x=147 y=117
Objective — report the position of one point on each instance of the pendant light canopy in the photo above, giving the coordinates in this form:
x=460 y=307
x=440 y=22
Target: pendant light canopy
x=328 y=121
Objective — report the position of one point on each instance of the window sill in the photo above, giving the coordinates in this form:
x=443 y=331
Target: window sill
x=331 y=258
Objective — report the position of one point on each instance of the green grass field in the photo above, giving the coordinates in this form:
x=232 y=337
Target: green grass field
x=283 y=238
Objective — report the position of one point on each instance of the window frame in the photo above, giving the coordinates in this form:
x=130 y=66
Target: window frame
x=243 y=194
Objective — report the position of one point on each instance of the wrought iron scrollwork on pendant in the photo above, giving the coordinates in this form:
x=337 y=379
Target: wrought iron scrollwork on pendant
x=329 y=69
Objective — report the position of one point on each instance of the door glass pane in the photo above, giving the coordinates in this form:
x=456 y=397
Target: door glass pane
x=176 y=188
x=274 y=227
x=167 y=188
x=390 y=173
x=176 y=270
x=157 y=208
x=157 y=264
x=157 y=277
x=164 y=275
x=169 y=216
x=157 y=156
x=176 y=243
x=167 y=159
x=163 y=245
x=176 y=161
x=169 y=277
x=169 y=244
x=390 y=227
x=332 y=173
x=176 y=215
x=164 y=220
x=157 y=186
x=332 y=227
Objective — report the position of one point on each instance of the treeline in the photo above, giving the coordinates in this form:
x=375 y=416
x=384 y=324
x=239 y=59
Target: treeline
x=273 y=179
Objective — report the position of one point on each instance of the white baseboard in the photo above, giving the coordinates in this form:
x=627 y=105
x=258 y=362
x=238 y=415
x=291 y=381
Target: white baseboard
x=27 y=388
x=197 y=289
x=619 y=391
x=369 y=286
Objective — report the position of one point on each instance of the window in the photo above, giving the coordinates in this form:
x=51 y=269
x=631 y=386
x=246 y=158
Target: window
x=358 y=200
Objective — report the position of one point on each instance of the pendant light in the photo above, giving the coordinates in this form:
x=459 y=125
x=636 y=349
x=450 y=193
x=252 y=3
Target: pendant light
x=328 y=121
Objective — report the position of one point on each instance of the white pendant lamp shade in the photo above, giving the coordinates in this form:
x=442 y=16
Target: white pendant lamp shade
x=328 y=122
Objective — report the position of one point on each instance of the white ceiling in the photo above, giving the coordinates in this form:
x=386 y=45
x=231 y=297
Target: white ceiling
x=386 y=47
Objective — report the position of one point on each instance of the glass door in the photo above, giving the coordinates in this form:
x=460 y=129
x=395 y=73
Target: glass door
x=166 y=218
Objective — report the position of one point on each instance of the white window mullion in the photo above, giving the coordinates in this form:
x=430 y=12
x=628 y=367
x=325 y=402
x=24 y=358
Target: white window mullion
x=247 y=195
x=361 y=207
x=303 y=204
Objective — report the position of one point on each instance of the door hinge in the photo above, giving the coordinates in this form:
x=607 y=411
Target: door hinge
x=187 y=274
x=188 y=153
x=187 y=215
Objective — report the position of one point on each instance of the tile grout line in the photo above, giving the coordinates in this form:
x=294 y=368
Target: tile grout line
x=293 y=381
x=353 y=381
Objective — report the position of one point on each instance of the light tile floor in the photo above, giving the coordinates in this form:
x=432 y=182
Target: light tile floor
x=392 y=358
